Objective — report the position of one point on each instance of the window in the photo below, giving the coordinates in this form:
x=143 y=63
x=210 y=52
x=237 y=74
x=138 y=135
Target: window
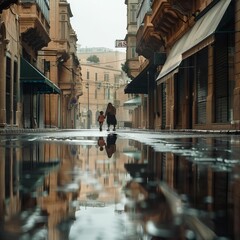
x=8 y=90
x=133 y=11
x=15 y=89
x=46 y=66
x=106 y=77
x=96 y=93
x=63 y=27
x=133 y=49
x=107 y=91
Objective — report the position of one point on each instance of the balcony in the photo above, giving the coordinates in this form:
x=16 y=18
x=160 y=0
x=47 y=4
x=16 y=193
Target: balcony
x=133 y=67
x=148 y=40
x=34 y=23
x=164 y=17
x=157 y=20
x=182 y=6
x=43 y=5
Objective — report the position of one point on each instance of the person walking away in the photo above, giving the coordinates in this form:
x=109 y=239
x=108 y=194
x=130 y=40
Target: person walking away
x=110 y=114
x=101 y=119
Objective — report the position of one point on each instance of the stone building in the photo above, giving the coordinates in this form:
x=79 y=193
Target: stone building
x=190 y=73
x=40 y=75
x=63 y=67
x=40 y=81
x=101 y=81
x=133 y=65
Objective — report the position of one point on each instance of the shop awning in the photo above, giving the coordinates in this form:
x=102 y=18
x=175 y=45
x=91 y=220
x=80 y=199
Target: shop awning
x=33 y=174
x=34 y=81
x=139 y=85
x=198 y=37
x=136 y=154
x=133 y=103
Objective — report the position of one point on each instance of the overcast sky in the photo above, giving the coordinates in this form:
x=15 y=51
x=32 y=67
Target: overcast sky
x=98 y=23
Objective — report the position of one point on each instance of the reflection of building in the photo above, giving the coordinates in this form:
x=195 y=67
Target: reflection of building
x=36 y=185
x=190 y=77
x=63 y=191
x=106 y=175
x=101 y=81
x=202 y=183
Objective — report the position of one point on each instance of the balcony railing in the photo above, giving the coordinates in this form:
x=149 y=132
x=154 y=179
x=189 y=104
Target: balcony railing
x=42 y=4
x=144 y=7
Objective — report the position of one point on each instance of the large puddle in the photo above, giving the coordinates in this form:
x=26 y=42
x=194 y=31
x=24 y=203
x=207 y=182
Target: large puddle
x=112 y=187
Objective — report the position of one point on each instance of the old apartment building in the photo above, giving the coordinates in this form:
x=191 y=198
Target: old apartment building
x=189 y=78
x=103 y=82
x=40 y=75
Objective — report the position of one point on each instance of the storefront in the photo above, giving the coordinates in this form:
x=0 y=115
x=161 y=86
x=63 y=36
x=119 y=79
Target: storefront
x=34 y=85
x=197 y=76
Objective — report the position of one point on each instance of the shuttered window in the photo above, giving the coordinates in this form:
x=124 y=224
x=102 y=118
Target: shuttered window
x=222 y=86
x=8 y=90
x=164 y=102
x=180 y=93
x=201 y=84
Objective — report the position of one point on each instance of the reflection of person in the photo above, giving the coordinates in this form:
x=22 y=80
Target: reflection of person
x=110 y=114
x=101 y=119
x=101 y=143
x=111 y=144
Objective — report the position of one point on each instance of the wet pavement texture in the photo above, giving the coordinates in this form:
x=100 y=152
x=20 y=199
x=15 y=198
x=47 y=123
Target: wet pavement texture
x=129 y=185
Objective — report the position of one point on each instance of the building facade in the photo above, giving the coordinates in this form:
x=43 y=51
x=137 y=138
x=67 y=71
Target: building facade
x=132 y=66
x=22 y=84
x=192 y=71
x=40 y=75
x=40 y=81
x=63 y=67
x=101 y=82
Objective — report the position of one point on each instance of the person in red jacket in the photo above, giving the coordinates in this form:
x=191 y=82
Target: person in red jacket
x=101 y=119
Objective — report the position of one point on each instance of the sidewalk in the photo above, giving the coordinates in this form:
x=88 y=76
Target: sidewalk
x=14 y=130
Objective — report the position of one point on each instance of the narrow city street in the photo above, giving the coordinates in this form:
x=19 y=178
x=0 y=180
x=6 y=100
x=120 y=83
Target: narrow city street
x=119 y=120
x=128 y=184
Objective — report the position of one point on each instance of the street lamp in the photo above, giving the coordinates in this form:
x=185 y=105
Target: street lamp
x=88 y=114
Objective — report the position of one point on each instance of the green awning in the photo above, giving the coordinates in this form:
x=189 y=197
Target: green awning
x=139 y=85
x=34 y=81
x=133 y=103
x=136 y=154
x=34 y=173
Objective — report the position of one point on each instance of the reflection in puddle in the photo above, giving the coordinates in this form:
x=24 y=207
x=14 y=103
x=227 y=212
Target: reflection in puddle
x=110 y=187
